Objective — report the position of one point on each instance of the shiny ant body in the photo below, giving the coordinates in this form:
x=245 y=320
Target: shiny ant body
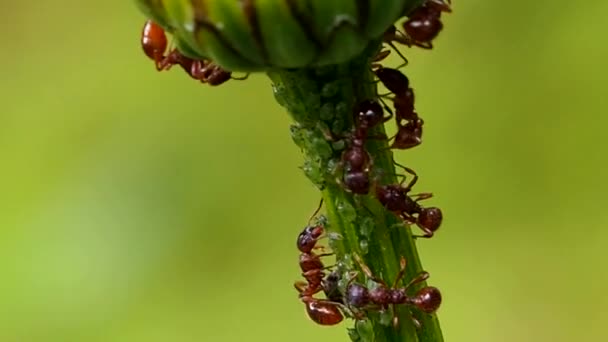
x=154 y=44
x=409 y=124
x=424 y=24
x=323 y=312
x=356 y=161
x=427 y=299
x=395 y=198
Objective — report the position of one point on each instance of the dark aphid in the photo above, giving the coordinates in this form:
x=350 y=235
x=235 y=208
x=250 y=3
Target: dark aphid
x=427 y=299
x=331 y=287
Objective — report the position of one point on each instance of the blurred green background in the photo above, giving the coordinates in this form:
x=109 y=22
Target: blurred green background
x=143 y=206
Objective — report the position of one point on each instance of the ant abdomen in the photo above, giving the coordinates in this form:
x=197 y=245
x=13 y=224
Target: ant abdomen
x=323 y=313
x=427 y=299
x=429 y=219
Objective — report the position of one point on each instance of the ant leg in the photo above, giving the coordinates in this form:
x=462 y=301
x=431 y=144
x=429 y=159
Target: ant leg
x=427 y=233
x=405 y=61
x=402 y=38
x=324 y=255
x=316 y=211
x=411 y=172
x=407 y=218
x=419 y=278
x=422 y=196
x=402 y=265
x=300 y=285
x=168 y=61
x=386 y=108
x=367 y=271
x=380 y=56
x=427 y=45
x=329 y=267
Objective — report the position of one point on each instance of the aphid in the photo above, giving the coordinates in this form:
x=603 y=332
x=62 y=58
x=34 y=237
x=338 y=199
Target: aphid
x=427 y=299
x=295 y=37
x=154 y=44
x=395 y=198
x=331 y=287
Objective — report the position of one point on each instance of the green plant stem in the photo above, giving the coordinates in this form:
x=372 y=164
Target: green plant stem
x=321 y=100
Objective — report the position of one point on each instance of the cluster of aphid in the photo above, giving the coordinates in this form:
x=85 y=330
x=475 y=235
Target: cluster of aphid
x=356 y=176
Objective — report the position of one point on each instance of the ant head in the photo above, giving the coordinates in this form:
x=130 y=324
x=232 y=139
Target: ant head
x=308 y=238
x=430 y=218
x=368 y=113
x=428 y=299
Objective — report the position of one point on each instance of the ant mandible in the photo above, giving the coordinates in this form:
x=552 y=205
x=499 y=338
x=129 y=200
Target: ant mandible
x=394 y=197
x=154 y=44
x=427 y=299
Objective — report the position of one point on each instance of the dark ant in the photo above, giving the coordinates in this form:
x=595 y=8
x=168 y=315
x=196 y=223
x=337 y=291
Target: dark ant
x=427 y=299
x=424 y=24
x=409 y=134
x=355 y=159
x=154 y=44
x=394 y=197
x=324 y=312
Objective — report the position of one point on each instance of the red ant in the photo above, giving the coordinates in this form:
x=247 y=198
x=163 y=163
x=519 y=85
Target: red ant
x=355 y=159
x=324 y=312
x=154 y=43
x=427 y=299
x=394 y=197
x=424 y=24
x=409 y=134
